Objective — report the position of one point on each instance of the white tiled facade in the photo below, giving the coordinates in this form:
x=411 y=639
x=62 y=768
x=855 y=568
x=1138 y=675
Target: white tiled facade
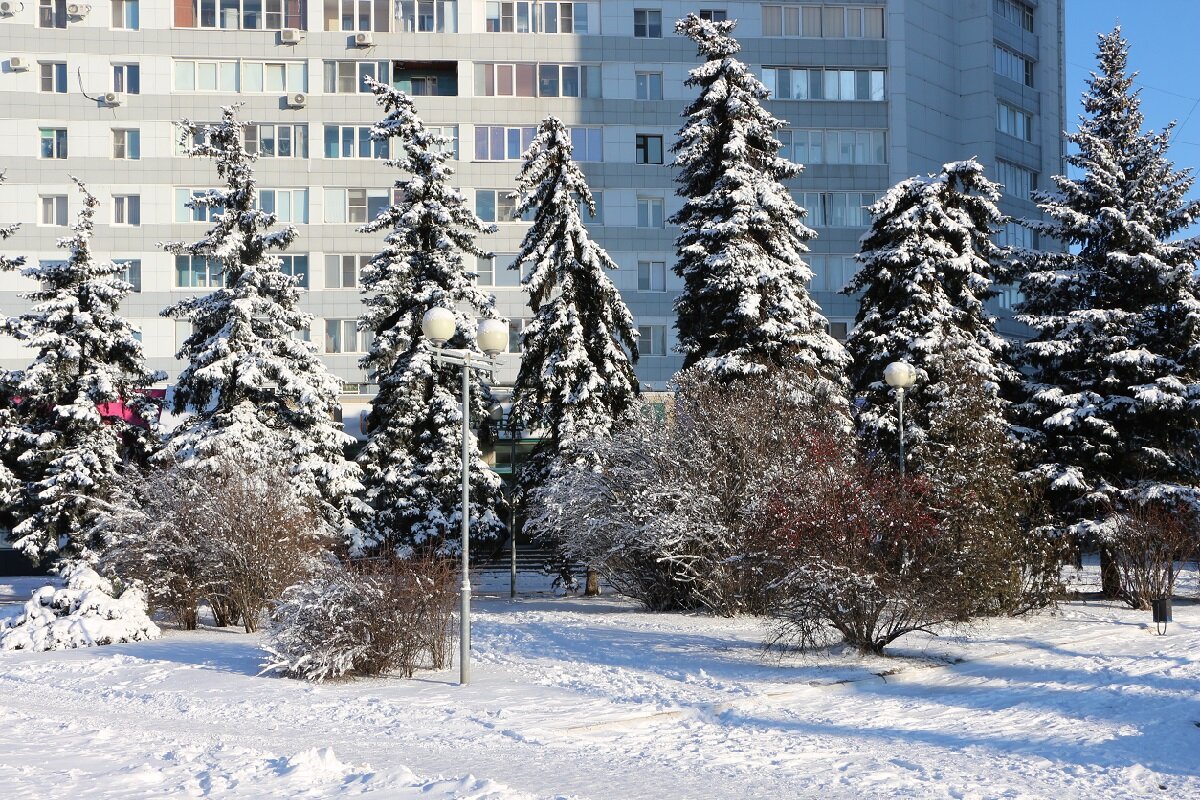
x=935 y=86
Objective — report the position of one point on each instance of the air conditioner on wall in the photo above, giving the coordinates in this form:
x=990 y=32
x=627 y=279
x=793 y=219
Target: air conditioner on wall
x=290 y=36
x=78 y=9
x=114 y=98
x=364 y=39
x=18 y=63
x=9 y=7
x=297 y=100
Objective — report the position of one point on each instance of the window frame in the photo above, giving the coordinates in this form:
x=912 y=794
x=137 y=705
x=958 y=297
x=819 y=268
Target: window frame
x=61 y=210
x=57 y=71
x=642 y=150
x=648 y=25
x=58 y=141
x=127 y=210
x=652 y=268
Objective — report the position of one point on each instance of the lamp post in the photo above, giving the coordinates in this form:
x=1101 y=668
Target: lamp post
x=900 y=375
x=439 y=326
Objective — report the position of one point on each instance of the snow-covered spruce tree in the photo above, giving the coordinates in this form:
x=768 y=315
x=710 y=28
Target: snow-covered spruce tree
x=576 y=381
x=412 y=461
x=87 y=354
x=8 y=451
x=928 y=265
x=1113 y=399
x=744 y=308
x=255 y=391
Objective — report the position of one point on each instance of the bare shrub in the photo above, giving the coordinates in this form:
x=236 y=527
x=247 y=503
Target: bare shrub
x=864 y=557
x=667 y=508
x=1148 y=543
x=227 y=533
x=365 y=618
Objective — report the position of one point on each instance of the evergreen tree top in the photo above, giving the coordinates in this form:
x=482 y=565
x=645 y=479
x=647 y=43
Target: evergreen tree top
x=9 y=262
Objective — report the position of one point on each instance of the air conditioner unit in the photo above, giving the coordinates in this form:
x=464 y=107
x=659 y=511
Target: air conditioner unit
x=297 y=100
x=78 y=9
x=18 y=63
x=114 y=98
x=290 y=36
x=9 y=7
x=364 y=39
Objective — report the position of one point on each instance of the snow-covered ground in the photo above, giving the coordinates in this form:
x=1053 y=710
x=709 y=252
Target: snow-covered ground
x=596 y=699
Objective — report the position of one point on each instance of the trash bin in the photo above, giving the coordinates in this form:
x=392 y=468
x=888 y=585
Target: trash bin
x=1161 y=608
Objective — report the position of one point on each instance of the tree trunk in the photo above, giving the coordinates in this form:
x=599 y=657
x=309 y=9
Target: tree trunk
x=592 y=587
x=1110 y=577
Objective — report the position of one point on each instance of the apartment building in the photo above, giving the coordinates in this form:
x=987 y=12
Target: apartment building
x=873 y=92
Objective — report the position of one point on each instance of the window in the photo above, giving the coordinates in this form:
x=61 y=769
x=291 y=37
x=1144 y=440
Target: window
x=648 y=148
x=1018 y=181
x=1011 y=65
x=652 y=276
x=652 y=340
x=206 y=76
x=274 y=77
x=650 y=212
x=288 y=205
x=494 y=143
x=349 y=77
x=1014 y=234
x=1009 y=297
x=127 y=78
x=1015 y=12
x=537 y=80
x=191 y=205
x=833 y=146
x=198 y=272
x=126 y=15
x=343 y=336
x=485 y=272
x=127 y=143
x=54 y=142
x=54 y=77
x=585 y=213
x=839 y=329
x=277 y=141
x=1014 y=122
x=714 y=14
x=54 y=209
x=837 y=209
x=587 y=144
x=127 y=209
x=428 y=16
x=495 y=205
x=295 y=265
x=244 y=14
x=791 y=83
x=353 y=141
x=649 y=85
x=52 y=13
x=131 y=272
x=831 y=22
x=831 y=273
x=522 y=16
x=357 y=15
x=647 y=23
x=342 y=271
x=447 y=133
x=516 y=334
x=355 y=205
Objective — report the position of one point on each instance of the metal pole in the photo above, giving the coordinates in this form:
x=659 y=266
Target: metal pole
x=512 y=507
x=900 y=398
x=464 y=636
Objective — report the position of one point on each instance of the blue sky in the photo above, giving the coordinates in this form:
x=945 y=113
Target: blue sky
x=1165 y=49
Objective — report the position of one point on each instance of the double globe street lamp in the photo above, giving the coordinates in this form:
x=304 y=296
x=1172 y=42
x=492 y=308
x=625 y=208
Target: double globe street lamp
x=439 y=326
x=901 y=376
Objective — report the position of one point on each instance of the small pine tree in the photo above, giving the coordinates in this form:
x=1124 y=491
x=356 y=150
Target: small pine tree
x=1113 y=398
x=254 y=390
x=576 y=381
x=928 y=265
x=744 y=308
x=412 y=461
x=88 y=355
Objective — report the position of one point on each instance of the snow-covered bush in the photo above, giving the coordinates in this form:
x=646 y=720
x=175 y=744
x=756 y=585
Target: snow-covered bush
x=87 y=611
x=234 y=535
x=364 y=618
x=1149 y=543
x=863 y=556
x=670 y=515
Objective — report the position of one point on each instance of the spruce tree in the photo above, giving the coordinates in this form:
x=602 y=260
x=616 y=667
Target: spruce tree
x=87 y=355
x=253 y=388
x=576 y=381
x=8 y=449
x=744 y=308
x=928 y=266
x=412 y=461
x=1113 y=399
